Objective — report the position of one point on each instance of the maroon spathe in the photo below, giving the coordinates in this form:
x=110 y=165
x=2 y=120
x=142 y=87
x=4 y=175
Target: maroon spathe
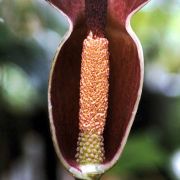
x=126 y=71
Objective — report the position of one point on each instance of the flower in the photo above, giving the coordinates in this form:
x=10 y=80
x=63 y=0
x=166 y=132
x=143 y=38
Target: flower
x=89 y=134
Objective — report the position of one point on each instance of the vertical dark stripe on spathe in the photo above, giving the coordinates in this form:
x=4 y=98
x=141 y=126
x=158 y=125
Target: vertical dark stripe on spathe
x=96 y=11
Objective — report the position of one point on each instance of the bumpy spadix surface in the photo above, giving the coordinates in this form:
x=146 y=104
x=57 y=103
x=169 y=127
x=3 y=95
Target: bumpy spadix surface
x=93 y=100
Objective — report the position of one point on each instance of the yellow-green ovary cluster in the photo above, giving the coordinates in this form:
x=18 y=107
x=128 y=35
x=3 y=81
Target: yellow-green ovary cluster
x=90 y=149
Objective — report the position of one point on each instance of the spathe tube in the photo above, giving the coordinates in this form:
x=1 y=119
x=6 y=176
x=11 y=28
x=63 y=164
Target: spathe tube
x=125 y=82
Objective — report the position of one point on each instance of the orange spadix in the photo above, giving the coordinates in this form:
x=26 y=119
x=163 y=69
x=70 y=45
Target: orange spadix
x=94 y=87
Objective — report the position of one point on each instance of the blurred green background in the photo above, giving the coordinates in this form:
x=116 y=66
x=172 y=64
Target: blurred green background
x=30 y=31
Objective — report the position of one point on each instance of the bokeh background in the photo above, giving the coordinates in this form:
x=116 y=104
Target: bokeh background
x=30 y=31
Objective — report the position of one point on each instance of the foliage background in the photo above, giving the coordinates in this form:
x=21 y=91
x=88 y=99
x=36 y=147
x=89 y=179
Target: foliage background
x=30 y=31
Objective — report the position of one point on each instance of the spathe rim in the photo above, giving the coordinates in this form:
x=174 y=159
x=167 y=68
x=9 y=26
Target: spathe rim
x=99 y=168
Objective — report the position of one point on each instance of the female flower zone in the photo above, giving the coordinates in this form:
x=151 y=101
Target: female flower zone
x=95 y=84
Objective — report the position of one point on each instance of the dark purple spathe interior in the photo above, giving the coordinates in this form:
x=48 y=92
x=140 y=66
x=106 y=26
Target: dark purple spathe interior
x=124 y=82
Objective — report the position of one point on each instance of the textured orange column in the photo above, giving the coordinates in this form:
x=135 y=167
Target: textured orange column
x=94 y=87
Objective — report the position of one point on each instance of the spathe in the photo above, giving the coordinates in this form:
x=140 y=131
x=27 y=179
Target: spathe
x=126 y=79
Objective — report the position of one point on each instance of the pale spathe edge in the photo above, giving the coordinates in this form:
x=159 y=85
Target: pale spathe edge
x=96 y=168
x=52 y=128
x=141 y=61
